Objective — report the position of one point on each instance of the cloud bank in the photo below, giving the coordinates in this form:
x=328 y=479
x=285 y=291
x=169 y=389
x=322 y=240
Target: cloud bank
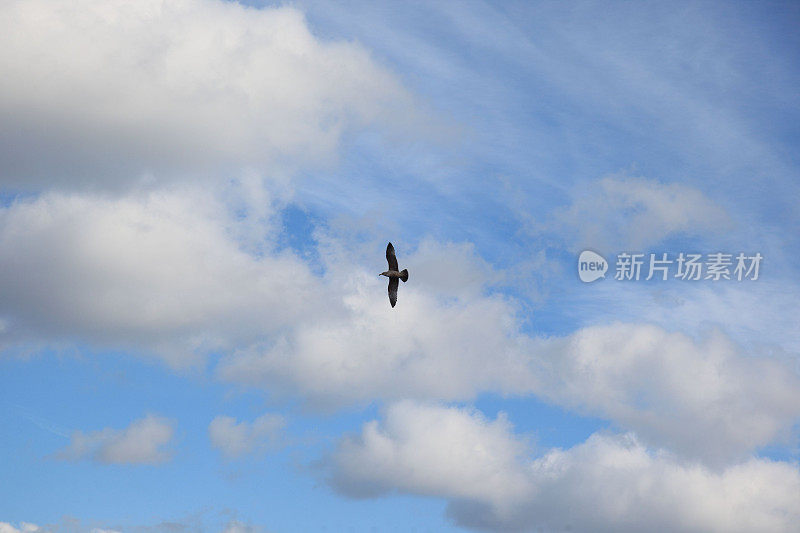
x=172 y=275
x=492 y=480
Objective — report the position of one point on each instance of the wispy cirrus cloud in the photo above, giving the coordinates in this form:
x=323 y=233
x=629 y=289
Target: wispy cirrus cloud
x=622 y=212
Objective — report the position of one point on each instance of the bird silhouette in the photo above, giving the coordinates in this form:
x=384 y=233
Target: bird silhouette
x=393 y=274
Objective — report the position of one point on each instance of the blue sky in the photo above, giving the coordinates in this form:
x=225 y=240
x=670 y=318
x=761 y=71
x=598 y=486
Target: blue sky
x=196 y=199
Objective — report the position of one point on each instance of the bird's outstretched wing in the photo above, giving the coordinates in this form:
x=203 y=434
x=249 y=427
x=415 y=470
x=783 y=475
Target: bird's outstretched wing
x=391 y=258
x=393 y=283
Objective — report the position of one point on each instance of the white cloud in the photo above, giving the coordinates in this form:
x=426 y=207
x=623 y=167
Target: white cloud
x=702 y=398
x=451 y=270
x=24 y=527
x=234 y=526
x=162 y=271
x=142 y=442
x=431 y=450
x=99 y=92
x=235 y=440
x=443 y=340
x=628 y=213
x=608 y=483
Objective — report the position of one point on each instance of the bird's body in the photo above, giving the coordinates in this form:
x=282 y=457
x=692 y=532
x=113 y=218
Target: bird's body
x=394 y=274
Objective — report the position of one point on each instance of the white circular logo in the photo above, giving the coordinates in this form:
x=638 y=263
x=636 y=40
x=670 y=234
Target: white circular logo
x=591 y=266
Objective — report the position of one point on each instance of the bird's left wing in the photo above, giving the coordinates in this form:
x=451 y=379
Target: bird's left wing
x=391 y=258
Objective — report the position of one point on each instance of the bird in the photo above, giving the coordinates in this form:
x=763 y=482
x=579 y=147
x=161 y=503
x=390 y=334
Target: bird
x=393 y=274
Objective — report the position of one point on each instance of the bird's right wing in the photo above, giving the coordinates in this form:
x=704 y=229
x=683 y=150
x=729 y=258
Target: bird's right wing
x=391 y=258
x=393 y=283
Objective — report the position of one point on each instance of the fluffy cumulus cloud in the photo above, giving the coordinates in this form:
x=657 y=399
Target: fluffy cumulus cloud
x=493 y=482
x=443 y=340
x=237 y=439
x=178 y=274
x=704 y=398
x=629 y=213
x=166 y=267
x=142 y=442
x=458 y=451
x=97 y=92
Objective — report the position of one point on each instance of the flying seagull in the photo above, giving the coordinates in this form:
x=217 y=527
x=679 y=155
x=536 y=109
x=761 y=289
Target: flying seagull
x=393 y=274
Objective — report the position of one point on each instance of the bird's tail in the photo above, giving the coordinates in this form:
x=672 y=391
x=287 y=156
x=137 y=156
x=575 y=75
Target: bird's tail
x=404 y=274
